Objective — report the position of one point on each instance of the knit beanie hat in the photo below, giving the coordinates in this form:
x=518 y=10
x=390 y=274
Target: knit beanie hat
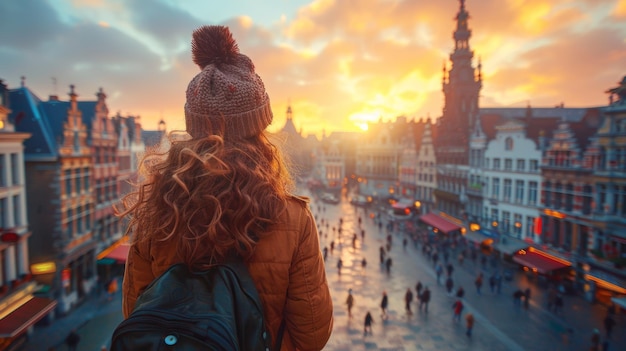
x=227 y=97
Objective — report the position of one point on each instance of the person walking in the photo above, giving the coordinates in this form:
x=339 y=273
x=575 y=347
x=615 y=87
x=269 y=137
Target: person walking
x=449 y=269
x=350 y=303
x=479 y=282
x=425 y=299
x=408 y=299
x=469 y=324
x=339 y=265
x=517 y=297
x=460 y=292
x=363 y=263
x=457 y=307
x=72 y=340
x=223 y=190
x=439 y=271
x=384 y=303
x=388 y=264
x=418 y=289
x=449 y=285
x=609 y=323
x=367 y=328
x=526 y=298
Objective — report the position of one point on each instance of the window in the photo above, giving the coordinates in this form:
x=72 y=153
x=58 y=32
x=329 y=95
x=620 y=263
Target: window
x=517 y=225
x=558 y=196
x=86 y=179
x=17 y=211
x=506 y=222
x=15 y=169
x=487 y=163
x=508 y=144
x=496 y=164
x=532 y=193
x=519 y=191
x=569 y=197
x=3 y=180
x=530 y=227
x=534 y=165
x=587 y=199
x=495 y=188
x=68 y=182
x=77 y=181
x=3 y=215
x=507 y=189
x=508 y=164
x=521 y=165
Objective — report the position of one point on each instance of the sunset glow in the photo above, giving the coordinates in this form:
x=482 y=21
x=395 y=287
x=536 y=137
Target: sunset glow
x=340 y=64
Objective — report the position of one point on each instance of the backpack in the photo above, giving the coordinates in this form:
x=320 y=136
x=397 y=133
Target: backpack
x=216 y=309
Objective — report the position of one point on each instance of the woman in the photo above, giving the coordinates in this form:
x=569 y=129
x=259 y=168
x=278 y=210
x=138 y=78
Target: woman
x=224 y=190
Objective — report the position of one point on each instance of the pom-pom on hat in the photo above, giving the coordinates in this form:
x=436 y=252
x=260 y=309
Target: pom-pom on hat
x=227 y=97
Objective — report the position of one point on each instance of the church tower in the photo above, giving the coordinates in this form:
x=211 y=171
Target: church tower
x=461 y=86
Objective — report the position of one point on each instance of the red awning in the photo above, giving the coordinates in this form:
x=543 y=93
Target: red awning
x=119 y=253
x=24 y=316
x=541 y=262
x=439 y=223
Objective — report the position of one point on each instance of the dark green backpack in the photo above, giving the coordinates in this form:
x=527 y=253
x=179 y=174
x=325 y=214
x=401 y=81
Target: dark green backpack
x=217 y=309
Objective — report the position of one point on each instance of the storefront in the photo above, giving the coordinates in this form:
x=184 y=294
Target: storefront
x=550 y=268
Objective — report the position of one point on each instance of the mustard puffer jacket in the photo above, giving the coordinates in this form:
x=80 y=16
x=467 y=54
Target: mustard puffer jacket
x=287 y=268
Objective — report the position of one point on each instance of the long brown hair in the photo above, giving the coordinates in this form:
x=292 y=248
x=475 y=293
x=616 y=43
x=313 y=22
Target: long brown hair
x=211 y=196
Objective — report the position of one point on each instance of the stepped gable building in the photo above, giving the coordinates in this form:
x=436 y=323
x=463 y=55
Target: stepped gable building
x=461 y=87
x=61 y=203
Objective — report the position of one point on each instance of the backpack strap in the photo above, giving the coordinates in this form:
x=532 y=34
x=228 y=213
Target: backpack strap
x=236 y=263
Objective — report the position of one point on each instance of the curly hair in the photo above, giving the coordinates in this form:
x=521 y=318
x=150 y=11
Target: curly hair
x=210 y=196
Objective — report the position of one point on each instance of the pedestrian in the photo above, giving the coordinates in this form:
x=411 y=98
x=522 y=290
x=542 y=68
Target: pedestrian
x=72 y=340
x=460 y=292
x=325 y=252
x=526 y=297
x=388 y=264
x=367 y=328
x=350 y=303
x=224 y=191
x=479 y=282
x=381 y=252
x=492 y=283
x=517 y=297
x=469 y=322
x=439 y=271
x=461 y=258
x=425 y=299
x=457 y=307
x=408 y=299
x=363 y=263
x=418 y=289
x=558 y=303
x=332 y=246
x=449 y=285
x=609 y=323
x=339 y=265
x=449 y=269
x=405 y=241
x=483 y=261
x=595 y=340
x=384 y=303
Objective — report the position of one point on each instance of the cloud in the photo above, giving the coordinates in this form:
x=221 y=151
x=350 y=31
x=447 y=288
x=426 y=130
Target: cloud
x=339 y=63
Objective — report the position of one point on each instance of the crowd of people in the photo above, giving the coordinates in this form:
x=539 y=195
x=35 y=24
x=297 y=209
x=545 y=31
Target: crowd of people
x=441 y=251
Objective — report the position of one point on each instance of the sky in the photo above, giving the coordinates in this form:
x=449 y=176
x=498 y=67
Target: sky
x=339 y=63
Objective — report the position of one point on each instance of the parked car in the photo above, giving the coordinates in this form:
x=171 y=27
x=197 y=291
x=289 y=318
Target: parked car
x=330 y=198
x=360 y=200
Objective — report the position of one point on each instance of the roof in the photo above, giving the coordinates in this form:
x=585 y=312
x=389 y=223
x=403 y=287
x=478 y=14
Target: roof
x=30 y=116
